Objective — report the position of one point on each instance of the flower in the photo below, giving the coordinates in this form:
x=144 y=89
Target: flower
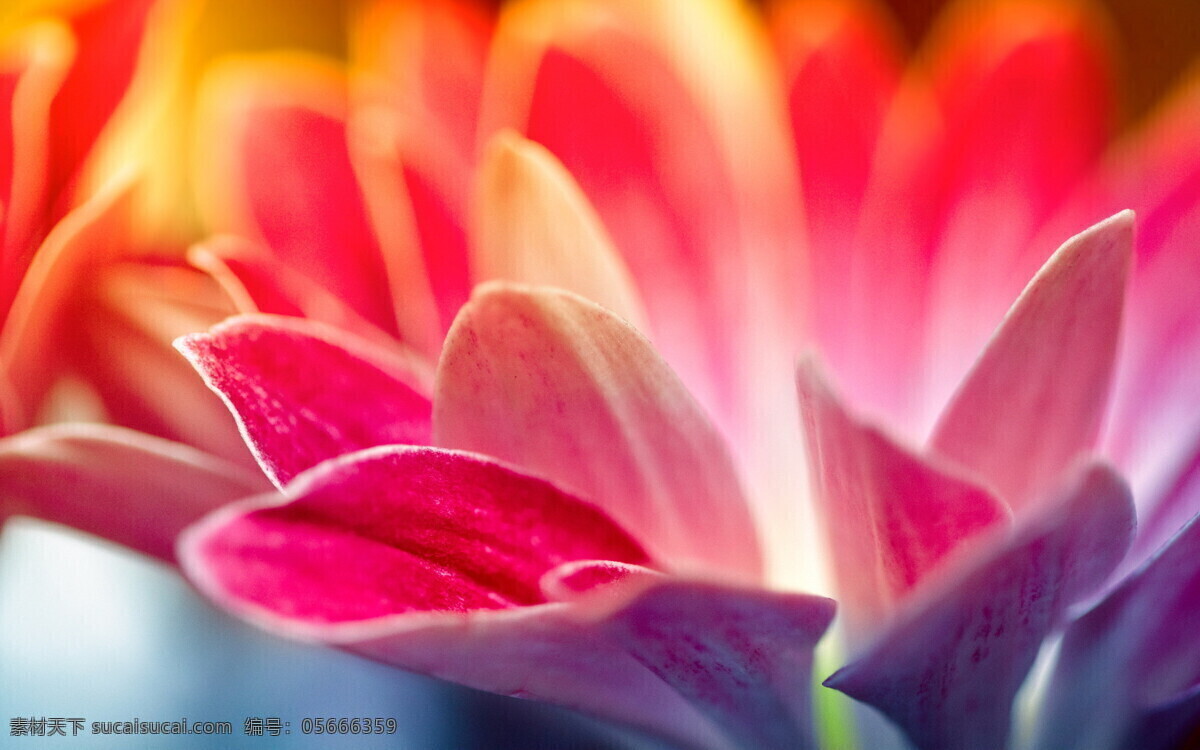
x=632 y=182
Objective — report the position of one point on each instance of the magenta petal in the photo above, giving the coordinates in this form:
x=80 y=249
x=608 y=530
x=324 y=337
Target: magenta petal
x=431 y=560
x=947 y=673
x=1033 y=402
x=303 y=392
x=398 y=529
x=121 y=485
x=1133 y=654
x=892 y=517
x=561 y=387
x=743 y=657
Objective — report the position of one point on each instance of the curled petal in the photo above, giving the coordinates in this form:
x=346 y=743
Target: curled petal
x=121 y=485
x=95 y=232
x=433 y=560
x=303 y=393
x=948 y=671
x=536 y=227
x=892 y=517
x=400 y=529
x=1033 y=402
x=559 y=386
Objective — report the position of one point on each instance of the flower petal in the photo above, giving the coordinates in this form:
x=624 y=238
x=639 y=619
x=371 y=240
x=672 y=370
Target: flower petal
x=1156 y=400
x=744 y=658
x=445 y=551
x=303 y=393
x=108 y=40
x=561 y=387
x=891 y=517
x=121 y=346
x=121 y=485
x=649 y=115
x=948 y=671
x=274 y=166
x=400 y=529
x=841 y=62
x=536 y=227
x=1034 y=400
x=30 y=350
x=1132 y=654
x=1027 y=93
x=431 y=55
x=256 y=282
x=33 y=64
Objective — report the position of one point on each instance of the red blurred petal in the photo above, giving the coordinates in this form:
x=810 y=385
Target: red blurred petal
x=559 y=386
x=275 y=167
x=303 y=393
x=1027 y=92
x=841 y=63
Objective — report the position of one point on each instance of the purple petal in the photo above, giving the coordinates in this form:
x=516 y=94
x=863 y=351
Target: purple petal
x=947 y=673
x=1135 y=652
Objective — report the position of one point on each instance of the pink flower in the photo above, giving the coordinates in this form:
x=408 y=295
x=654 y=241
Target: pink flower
x=567 y=523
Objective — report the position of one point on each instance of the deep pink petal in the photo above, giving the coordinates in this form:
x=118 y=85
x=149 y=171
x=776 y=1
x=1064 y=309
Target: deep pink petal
x=402 y=529
x=1033 y=402
x=445 y=552
x=121 y=485
x=891 y=517
x=1134 y=653
x=303 y=393
x=561 y=387
x=1027 y=94
x=276 y=168
x=947 y=672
